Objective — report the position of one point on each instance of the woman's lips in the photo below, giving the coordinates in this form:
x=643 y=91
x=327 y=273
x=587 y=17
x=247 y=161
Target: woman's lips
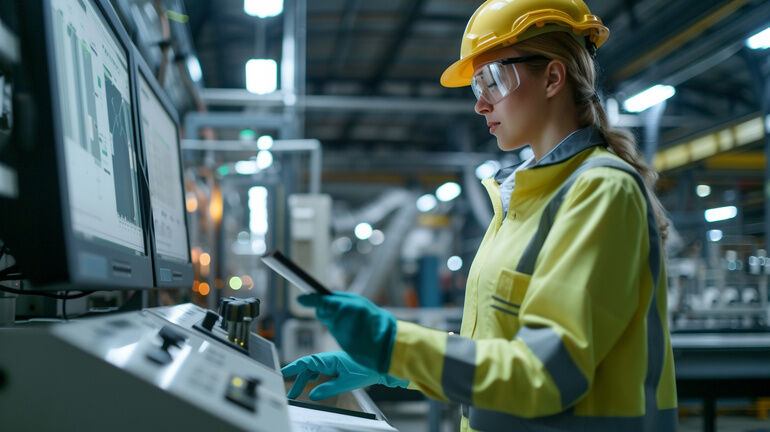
x=493 y=126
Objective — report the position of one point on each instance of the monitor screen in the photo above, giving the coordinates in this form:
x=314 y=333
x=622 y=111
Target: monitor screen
x=161 y=144
x=96 y=116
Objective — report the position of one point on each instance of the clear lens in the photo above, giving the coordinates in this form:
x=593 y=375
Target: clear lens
x=494 y=81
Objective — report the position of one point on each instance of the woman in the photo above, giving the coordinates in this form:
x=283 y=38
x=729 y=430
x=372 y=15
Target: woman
x=564 y=324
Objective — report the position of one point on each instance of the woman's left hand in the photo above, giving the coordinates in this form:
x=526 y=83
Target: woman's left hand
x=363 y=330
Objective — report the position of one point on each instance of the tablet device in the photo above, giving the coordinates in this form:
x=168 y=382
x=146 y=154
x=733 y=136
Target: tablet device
x=293 y=273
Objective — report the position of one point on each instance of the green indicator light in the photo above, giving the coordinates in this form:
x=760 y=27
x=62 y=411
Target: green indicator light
x=247 y=134
x=236 y=283
x=223 y=170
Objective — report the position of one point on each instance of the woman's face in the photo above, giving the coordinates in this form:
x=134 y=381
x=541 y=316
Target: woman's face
x=518 y=117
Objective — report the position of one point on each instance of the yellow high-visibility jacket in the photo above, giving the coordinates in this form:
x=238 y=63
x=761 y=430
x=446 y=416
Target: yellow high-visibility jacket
x=564 y=324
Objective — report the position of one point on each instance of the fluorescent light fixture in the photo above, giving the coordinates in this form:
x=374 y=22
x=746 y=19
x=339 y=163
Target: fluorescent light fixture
x=264 y=159
x=720 y=213
x=487 y=169
x=454 y=263
x=648 y=98
x=363 y=231
x=194 y=67
x=261 y=76
x=703 y=190
x=377 y=237
x=715 y=235
x=258 y=210
x=448 y=191
x=760 y=40
x=246 y=167
x=426 y=203
x=263 y=8
x=265 y=142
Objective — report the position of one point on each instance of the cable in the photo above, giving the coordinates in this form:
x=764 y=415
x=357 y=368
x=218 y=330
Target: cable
x=64 y=306
x=46 y=294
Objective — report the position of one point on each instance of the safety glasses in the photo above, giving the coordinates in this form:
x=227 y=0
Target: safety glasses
x=496 y=80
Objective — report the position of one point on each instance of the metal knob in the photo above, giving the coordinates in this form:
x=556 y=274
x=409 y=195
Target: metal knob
x=237 y=318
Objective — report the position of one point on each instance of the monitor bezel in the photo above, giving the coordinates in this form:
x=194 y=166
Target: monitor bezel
x=50 y=253
x=181 y=273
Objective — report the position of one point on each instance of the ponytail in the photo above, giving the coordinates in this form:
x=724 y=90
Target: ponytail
x=581 y=75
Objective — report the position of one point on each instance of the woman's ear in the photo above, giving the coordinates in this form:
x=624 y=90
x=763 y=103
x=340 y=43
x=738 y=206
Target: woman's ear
x=556 y=77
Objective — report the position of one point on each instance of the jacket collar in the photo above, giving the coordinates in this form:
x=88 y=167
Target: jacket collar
x=573 y=144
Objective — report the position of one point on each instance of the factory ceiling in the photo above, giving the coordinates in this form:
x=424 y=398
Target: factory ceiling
x=398 y=49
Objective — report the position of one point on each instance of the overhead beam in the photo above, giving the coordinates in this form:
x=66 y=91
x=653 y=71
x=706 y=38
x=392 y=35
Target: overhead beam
x=679 y=39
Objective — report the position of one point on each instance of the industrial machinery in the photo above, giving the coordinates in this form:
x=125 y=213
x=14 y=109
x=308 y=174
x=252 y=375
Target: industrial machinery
x=174 y=367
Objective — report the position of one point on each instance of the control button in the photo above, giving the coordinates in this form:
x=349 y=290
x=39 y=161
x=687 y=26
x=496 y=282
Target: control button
x=243 y=392
x=171 y=337
x=210 y=319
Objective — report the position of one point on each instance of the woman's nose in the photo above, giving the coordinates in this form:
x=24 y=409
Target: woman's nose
x=482 y=107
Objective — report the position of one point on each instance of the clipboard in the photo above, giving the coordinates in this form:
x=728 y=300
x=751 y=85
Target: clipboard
x=293 y=273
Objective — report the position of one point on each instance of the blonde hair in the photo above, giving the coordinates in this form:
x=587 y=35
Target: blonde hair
x=581 y=76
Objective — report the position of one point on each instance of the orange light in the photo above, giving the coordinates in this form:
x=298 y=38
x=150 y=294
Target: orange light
x=191 y=203
x=195 y=286
x=205 y=259
x=248 y=282
x=195 y=253
x=215 y=206
x=203 y=288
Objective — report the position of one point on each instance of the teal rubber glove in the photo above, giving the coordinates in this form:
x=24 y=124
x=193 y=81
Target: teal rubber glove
x=363 y=330
x=350 y=375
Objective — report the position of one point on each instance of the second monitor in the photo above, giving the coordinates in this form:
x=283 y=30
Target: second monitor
x=162 y=157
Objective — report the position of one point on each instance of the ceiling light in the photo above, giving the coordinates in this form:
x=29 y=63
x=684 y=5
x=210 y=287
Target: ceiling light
x=648 y=98
x=703 y=190
x=760 y=40
x=246 y=167
x=261 y=76
x=715 y=235
x=448 y=191
x=454 y=263
x=426 y=203
x=720 y=213
x=363 y=231
x=487 y=169
x=264 y=159
x=263 y=8
x=265 y=142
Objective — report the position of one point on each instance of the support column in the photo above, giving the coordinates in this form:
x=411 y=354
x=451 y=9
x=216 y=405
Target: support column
x=652 y=118
x=762 y=89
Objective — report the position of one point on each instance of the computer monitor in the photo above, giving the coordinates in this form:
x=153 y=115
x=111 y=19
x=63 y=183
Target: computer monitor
x=159 y=132
x=80 y=219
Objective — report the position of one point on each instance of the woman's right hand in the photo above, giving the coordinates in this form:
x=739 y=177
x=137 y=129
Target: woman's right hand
x=350 y=375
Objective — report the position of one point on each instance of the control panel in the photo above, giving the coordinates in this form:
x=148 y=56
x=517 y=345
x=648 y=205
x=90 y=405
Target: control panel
x=171 y=363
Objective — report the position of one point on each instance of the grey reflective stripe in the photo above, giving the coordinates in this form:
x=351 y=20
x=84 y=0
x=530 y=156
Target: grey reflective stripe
x=653 y=419
x=459 y=369
x=547 y=345
x=495 y=421
x=505 y=310
x=527 y=261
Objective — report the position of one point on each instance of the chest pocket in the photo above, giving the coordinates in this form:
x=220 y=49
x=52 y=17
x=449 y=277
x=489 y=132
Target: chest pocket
x=505 y=302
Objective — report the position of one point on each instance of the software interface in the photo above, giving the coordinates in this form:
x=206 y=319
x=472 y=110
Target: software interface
x=95 y=106
x=162 y=148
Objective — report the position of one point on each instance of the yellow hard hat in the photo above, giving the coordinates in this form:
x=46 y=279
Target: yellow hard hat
x=500 y=23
